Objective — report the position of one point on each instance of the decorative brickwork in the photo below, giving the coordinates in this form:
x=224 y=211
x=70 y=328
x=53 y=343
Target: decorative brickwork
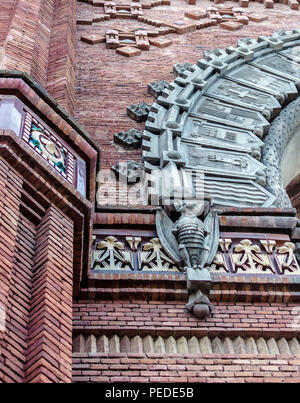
x=38 y=38
x=14 y=283
x=184 y=345
x=210 y=368
x=161 y=344
x=89 y=274
x=49 y=351
x=45 y=221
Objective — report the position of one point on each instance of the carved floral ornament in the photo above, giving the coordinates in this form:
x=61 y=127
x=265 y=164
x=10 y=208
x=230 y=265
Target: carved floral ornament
x=233 y=256
x=263 y=257
x=133 y=254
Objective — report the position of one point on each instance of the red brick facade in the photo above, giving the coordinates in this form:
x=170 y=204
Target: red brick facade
x=61 y=321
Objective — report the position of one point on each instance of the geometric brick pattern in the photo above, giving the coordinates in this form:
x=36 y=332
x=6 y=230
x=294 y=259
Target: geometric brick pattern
x=13 y=287
x=49 y=348
x=39 y=39
x=36 y=288
x=185 y=345
x=62 y=55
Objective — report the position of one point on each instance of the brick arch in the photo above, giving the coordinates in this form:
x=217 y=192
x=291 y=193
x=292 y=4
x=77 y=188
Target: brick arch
x=223 y=108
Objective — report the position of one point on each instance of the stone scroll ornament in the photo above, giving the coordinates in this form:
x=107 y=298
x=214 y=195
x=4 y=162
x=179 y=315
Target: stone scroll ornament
x=192 y=244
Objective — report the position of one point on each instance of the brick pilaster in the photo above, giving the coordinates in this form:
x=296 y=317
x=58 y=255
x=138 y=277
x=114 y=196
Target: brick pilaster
x=62 y=54
x=27 y=41
x=49 y=354
x=10 y=195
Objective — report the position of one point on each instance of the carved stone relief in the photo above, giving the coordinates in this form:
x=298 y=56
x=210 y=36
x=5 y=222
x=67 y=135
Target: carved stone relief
x=194 y=243
x=214 y=118
x=154 y=258
x=221 y=112
x=276 y=63
x=281 y=88
x=280 y=133
x=110 y=254
x=129 y=172
x=131 y=138
x=156 y=87
x=221 y=137
x=244 y=96
x=130 y=253
x=138 y=112
x=263 y=256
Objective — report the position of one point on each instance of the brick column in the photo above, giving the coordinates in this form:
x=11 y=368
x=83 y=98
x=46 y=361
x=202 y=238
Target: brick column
x=27 y=41
x=49 y=354
x=10 y=195
x=62 y=54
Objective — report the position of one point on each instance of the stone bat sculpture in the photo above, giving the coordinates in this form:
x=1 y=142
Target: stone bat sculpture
x=192 y=244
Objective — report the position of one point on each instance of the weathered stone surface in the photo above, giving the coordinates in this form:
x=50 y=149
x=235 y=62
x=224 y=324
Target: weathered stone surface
x=91 y=343
x=170 y=345
x=182 y=345
x=159 y=345
x=139 y=112
x=131 y=138
x=279 y=135
x=156 y=87
x=181 y=67
x=129 y=171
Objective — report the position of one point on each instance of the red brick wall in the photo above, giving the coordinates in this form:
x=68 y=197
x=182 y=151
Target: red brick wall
x=38 y=37
x=167 y=318
x=61 y=62
x=210 y=368
x=50 y=342
x=7 y=7
x=27 y=40
x=109 y=345
x=14 y=285
x=36 y=275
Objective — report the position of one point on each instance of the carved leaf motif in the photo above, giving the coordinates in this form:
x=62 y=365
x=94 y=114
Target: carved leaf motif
x=110 y=258
x=251 y=256
x=255 y=248
x=110 y=242
x=155 y=259
x=246 y=246
x=243 y=246
x=286 y=248
x=153 y=244
x=283 y=249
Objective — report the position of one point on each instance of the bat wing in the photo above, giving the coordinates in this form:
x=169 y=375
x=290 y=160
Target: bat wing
x=211 y=226
x=167 y=239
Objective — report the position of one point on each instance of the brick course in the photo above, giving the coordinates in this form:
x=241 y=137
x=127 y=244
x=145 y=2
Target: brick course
x=169 y=319
x=169 y=368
